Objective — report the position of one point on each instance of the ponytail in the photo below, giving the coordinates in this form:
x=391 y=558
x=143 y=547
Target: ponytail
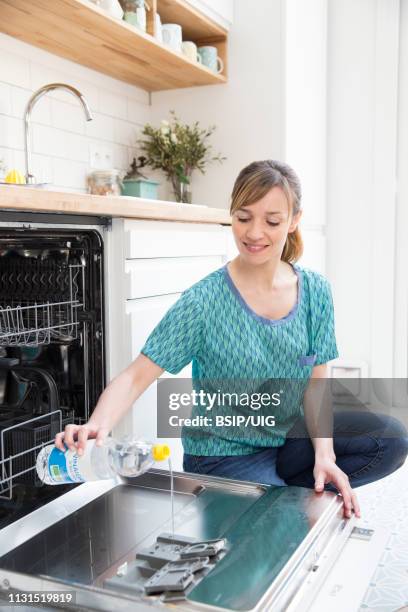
x=293 y=249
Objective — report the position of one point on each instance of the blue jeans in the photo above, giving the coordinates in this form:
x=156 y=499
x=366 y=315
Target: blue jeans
x=367 y=446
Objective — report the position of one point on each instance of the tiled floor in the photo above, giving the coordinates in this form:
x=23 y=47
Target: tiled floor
x=385 y=504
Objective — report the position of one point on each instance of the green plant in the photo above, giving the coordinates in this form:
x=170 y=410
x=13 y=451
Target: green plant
x=177 y=149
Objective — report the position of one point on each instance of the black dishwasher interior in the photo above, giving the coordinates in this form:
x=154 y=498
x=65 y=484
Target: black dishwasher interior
x=51 y=350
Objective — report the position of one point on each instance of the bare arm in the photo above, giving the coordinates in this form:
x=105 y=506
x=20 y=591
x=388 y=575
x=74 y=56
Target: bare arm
x=112 y=405
x=319 y=422
x=318 y=412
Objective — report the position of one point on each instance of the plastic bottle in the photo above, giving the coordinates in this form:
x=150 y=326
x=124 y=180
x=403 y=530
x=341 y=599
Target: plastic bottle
x=127 y=457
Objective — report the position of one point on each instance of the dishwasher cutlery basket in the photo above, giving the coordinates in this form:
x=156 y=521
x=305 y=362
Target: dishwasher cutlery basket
x=32 y=434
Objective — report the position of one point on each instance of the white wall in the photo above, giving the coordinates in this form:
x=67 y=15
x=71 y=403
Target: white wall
x=401 y=221
x=362 y=121
x=61 y=136
x=305 y=137
x=305 y=101
x=350 y=147
x=248 y=110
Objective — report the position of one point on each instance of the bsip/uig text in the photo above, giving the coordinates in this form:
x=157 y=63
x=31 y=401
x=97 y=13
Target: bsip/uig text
x=236 y=420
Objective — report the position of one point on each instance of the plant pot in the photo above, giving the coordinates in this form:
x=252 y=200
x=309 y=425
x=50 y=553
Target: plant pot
x=140 y=188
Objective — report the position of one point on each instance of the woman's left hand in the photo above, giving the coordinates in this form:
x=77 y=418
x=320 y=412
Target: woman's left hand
x=325 y=471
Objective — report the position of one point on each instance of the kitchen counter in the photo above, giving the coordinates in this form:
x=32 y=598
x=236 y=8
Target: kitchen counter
x=13 y=197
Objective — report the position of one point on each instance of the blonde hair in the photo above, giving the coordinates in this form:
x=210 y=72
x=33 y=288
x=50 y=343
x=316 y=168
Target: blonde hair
x=253 y=183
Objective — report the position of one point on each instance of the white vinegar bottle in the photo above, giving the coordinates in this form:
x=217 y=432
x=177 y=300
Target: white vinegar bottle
x=127 y=457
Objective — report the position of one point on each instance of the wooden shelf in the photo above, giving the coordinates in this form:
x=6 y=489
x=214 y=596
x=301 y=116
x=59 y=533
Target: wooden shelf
x=86 y=34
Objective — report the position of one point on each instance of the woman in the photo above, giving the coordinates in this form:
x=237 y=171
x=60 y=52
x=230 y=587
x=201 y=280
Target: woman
x=260 y=317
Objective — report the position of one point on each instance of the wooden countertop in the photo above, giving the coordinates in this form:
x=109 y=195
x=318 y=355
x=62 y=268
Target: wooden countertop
x=31 y=199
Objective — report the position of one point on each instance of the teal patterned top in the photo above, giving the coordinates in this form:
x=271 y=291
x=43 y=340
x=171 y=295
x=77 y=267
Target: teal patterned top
x=212 y=326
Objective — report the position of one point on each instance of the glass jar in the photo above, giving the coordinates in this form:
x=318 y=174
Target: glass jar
x=135 y=13
x=104 y=182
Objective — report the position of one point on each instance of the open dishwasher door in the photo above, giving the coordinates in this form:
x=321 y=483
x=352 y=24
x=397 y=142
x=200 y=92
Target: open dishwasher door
x=236 y=546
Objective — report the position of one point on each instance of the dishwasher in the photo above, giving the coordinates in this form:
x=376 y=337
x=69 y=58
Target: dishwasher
x=230 y=545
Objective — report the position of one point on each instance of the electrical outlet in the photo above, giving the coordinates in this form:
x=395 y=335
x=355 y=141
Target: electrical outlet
x=100 y=157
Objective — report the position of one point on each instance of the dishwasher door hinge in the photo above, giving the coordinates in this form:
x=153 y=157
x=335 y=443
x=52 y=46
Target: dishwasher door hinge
x=107 y=224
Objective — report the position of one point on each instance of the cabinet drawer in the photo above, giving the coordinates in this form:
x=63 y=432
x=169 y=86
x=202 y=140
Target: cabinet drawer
x=147 y=277
x=144 y=239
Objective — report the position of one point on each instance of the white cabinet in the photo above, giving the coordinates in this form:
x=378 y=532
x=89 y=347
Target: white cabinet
x=145 y=239
x=165 y=275
x=149 y=264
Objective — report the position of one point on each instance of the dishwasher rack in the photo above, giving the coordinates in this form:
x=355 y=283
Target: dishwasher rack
x=31 y=323
x=20 y=444
x=25 y=459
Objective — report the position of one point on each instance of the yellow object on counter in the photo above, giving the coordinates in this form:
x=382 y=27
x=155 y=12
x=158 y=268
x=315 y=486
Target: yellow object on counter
x=160 y=452
x=15 y=177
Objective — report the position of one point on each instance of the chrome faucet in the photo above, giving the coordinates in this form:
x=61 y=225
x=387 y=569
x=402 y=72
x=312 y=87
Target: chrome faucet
x=30 y=179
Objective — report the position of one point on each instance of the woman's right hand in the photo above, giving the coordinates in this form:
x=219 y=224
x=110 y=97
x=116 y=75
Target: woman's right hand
x=121 y=392
x=75 y=436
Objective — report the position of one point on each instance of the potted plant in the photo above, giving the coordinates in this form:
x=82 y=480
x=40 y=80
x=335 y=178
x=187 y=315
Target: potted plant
x=178 y=149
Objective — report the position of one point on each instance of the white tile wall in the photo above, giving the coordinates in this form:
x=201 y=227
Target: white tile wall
x=60 y=135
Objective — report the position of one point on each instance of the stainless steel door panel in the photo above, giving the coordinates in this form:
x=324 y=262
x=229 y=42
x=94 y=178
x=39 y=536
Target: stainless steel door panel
x=275 y=536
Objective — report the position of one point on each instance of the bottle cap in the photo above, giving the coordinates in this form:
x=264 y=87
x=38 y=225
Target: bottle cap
x=160 y=452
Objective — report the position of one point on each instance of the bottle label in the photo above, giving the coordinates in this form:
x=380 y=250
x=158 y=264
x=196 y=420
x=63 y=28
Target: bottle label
x=63 y=466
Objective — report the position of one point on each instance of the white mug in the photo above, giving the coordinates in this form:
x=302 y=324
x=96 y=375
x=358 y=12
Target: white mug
x=172 y=35
x=190 y=50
